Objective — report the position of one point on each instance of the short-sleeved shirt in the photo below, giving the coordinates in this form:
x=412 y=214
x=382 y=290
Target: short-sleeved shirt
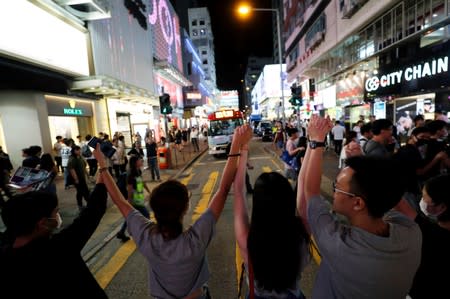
x=375 y=149
x=435 y=255
x=179 y=266
x=338 y=132
x=79 y=165
x=358 y=264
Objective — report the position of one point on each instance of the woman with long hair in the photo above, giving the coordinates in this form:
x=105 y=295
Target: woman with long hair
x=135 y=192
x=176 y=257
x=260 y=239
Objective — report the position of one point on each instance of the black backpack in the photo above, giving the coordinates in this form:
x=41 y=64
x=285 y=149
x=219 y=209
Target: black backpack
x=86 y=151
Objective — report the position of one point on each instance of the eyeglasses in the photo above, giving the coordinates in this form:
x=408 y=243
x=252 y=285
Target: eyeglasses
x=342 y=191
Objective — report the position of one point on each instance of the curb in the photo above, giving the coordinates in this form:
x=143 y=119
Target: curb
x=96 y=249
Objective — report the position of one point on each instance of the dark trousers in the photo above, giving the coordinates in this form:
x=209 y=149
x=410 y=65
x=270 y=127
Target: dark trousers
x=82 y=192
x=58 y=161
x=154 y=168
x=195 y=144
x=118 y=169
x=143 y=211
x=338 y=146
x=92 y=166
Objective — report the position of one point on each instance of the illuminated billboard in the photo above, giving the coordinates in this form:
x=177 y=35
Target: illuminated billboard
x=165 y=29
x=229 y=98
x=174 y=90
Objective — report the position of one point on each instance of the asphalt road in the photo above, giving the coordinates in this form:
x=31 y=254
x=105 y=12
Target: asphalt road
x=122 y=271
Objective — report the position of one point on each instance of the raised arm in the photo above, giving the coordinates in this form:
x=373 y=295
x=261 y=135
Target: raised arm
x=242 y=135
x=241 y=218
x=308 y=183
x=122 y=204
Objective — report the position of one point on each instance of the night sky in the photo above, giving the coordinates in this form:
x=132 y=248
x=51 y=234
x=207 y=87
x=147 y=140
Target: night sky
x=235 y=39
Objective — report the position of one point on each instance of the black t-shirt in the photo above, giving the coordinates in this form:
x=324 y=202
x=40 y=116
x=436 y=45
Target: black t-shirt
x=53 y=267
x=151 y=149
x=410 y=160
x=434 y=147
x=428 y=282
x=31 y=161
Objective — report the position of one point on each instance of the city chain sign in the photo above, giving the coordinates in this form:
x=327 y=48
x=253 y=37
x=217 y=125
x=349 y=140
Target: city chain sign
x=436 y=66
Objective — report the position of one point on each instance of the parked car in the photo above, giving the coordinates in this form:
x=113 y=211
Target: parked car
x=262 y=126
x=267 y=135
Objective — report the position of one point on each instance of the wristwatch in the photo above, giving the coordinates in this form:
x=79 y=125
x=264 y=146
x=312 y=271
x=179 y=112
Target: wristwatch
x=315 y=144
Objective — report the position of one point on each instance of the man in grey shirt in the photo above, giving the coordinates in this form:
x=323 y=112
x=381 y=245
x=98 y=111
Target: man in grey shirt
x=382 y=135
x=377 y=254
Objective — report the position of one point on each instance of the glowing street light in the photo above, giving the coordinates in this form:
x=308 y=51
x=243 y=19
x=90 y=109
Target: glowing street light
x=244 y=10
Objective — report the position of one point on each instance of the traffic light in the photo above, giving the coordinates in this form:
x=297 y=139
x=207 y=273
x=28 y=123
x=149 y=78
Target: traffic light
x=164 y=104
x=296 y=96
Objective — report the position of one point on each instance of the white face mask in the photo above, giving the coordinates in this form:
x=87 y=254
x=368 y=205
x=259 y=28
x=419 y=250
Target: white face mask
x=58 y=220
x=424 y=208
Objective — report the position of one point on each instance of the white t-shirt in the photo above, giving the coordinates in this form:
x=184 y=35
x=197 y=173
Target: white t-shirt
x=65 y=155
x=338 y=132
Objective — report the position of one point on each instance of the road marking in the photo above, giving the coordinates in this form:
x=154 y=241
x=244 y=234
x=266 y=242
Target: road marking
x=266 y=169
x=239 y=261
x=107 y=273
x=206 y=194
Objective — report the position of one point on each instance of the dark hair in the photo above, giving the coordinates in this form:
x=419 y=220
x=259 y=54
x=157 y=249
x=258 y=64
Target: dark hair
x=35 y=149
x=437 y=189
x=281 y=236
x=418 y=117
x=88 y=137
x=292 y=131
x=74 y=148
x=436 y=125
x=58 y=137
x=22 y=212
x=134 y=171
x=366 y=128
x=302 y=142
x=378 y=181
x=350 y=136
x=381 y=124
x=47 y=162
x=420 y=130
x=169 y=201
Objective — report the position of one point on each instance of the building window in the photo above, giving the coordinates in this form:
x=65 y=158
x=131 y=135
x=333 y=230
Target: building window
x=202 y=22
x=194 y=23
x=202 y=32
x=189 y=68
x=204 y=52
x=205 y=61
x=194 y=32
x=316 y=33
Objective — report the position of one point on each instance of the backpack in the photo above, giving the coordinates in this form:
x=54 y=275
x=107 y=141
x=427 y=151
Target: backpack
x=86 y=151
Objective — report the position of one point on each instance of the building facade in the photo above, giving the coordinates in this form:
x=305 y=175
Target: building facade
x=202 y=36
x=356 y=58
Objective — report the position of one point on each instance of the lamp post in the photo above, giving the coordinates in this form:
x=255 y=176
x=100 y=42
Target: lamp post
x=245 y=10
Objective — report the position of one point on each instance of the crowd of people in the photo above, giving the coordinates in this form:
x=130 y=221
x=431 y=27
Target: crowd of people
x=389 y=246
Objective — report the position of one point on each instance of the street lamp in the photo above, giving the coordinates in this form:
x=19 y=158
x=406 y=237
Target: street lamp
x=245 y=10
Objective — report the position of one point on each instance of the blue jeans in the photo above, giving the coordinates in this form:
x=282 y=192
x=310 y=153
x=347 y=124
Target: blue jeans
x=66 y=176
x=154 y=168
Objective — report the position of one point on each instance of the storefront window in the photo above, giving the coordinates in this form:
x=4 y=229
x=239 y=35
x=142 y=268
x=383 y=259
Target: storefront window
x=398 y=31
x=438 y=10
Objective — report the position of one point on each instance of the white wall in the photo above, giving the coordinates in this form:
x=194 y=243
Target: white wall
x=24 y=120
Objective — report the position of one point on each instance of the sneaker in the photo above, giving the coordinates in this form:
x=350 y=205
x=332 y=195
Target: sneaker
x=122 y=237
x=158 y=180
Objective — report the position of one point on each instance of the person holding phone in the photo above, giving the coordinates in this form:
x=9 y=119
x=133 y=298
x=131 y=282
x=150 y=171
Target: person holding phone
x=176 y=258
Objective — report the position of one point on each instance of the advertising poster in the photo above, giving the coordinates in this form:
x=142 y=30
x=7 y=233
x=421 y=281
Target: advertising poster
x=379 y=110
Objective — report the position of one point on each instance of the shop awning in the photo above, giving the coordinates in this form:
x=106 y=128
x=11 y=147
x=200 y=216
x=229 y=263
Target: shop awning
x=165 y=69
x=110 y=87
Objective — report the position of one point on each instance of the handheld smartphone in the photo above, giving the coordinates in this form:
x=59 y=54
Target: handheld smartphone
x=93 y=142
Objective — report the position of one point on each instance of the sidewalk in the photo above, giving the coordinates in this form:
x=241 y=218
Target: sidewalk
x=112 y=220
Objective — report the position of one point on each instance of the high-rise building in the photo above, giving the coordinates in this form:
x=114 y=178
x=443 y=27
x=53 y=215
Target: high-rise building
x=255 y=66
x=201 y=34
x=367 y=57
x=278 y=4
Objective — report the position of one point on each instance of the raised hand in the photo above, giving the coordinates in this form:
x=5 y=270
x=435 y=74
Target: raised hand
x=99 y=156
x=319 y=127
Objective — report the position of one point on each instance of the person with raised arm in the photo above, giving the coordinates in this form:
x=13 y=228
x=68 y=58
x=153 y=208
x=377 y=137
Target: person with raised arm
x=259 y=241
x=377 y=253
x=176 y=258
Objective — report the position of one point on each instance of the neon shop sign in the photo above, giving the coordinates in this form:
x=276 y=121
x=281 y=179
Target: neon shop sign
x=427 y=69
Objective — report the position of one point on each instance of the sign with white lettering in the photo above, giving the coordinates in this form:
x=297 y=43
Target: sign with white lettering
x=427 y=69
x=73 y=111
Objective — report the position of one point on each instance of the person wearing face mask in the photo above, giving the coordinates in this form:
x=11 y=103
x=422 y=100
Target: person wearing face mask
x=40 y=261
x=434 y=222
